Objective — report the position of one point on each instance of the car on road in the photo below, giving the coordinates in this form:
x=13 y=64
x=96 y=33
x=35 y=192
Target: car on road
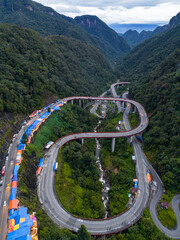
x=4 y=171
x=4 y=204
x=1 y=182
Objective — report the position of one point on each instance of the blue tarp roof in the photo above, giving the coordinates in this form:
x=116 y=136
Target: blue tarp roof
x=21 y=146
x=22 y=212
x=29 y=237
x=56 y=108
x=11 y=212
x=14 y=178
x=17 y=219
x=16 y=168
x=27 y=223
x=41 y=162
x=18 y=233
x=13 y=194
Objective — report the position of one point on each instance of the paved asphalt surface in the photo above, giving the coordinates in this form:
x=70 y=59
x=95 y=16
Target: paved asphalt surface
x=49 y=200
x=4 y=189
x=54 y=208
x=159 y=188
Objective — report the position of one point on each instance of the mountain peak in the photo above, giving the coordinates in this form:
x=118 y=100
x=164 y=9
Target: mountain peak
x=108 y=37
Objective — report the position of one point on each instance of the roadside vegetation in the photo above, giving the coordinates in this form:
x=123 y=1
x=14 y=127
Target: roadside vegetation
x=77 y=180
x=134 y=120
x=144 y=229
x=154 y=71
x=59 y=124
x=167 y=216
x=118 y=166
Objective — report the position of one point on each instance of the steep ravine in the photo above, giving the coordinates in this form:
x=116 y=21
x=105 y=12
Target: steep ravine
x=102 y=179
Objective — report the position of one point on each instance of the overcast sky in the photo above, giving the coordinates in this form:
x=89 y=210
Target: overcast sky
x=118 y=11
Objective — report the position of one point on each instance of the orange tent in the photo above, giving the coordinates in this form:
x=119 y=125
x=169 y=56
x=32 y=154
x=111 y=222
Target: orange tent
x=19 y=152
x=13 y=204
x=14 y=184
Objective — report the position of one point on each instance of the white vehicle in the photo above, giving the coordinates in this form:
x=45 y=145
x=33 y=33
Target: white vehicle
x=4 y=204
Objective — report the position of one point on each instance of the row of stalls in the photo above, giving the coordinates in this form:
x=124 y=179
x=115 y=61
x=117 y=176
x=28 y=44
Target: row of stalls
x=22 y=225
x=40 y=166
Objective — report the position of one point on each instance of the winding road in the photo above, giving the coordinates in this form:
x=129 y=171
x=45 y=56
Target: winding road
x=62 y=218
x=53 y=207
x=159 y=188
x=46 y=191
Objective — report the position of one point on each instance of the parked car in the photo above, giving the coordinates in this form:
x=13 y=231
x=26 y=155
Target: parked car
x=3 y=171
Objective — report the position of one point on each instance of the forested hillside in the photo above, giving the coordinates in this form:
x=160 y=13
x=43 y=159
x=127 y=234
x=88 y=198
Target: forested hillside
x=142 y=61
x=112 y=44
x=34 y=71
x=154 y=71
x=46 y=21
x=31 y=66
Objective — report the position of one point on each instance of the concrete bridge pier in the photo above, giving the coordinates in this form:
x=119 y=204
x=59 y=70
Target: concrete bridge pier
x=134 y=109
x=82 y=141
x=72 y=101
x=80 y=103
x=113 y=144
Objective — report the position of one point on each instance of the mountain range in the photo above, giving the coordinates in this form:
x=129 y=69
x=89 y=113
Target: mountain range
x=122 y=28
x=45 y=55
x=46 y=21
x=133 y=37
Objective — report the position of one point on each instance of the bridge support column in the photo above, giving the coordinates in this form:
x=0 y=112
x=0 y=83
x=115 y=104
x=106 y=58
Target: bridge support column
x=134 y=109
x=131 y=108
x=113 y=144
x=82 y=141
x=72 y=101
x=80 y=103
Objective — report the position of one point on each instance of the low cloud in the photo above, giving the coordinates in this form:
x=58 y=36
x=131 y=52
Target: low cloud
x=124 y=11
x=107 y=3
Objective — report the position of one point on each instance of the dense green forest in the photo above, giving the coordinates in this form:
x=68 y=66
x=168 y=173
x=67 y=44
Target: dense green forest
x=77 y=180
x=62 y=123
x=142 y=61
x=154 y=70
x=32 y=68
x=118 y=166
x=47 y=21
x=113 y=45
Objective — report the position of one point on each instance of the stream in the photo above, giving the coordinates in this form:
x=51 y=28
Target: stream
x=106 y=186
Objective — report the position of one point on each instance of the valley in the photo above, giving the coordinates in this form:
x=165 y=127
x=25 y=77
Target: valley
x=117 y=153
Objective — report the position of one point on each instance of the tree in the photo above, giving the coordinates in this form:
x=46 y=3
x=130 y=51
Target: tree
x=25 y=138
x=83 y=233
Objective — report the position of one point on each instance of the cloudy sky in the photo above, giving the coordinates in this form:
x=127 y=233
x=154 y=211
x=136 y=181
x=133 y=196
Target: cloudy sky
x=118 y=11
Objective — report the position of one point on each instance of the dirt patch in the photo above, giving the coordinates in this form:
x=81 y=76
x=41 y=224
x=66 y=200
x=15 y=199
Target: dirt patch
x=115 y=170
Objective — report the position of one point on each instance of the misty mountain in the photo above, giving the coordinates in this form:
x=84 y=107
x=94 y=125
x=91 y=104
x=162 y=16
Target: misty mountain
x=134 y=38
x=122 y=28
